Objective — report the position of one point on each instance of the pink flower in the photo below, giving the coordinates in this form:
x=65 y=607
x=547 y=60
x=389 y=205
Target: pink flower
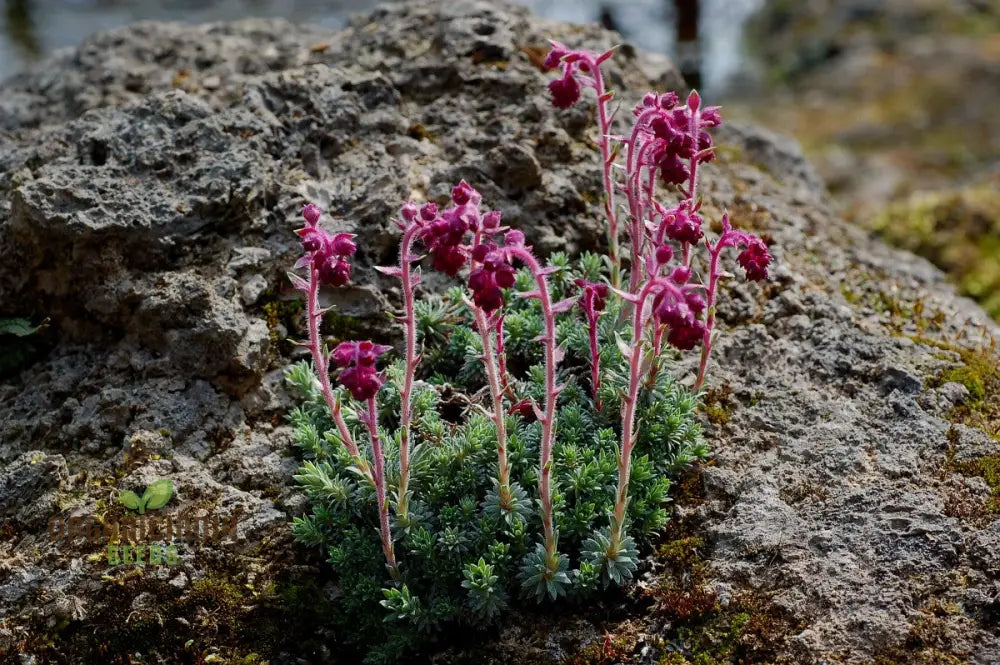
x=342 y=244
x=682 y=226
x=594 y=298
x=409 y=211
x=357 y=363
x=334 y=271
x=555 y=56
x=682 y=316
x=328 y=254
x=487 y=281
x=565 y=91
x=444 y=236
x=311 y=213
x=755 y=258
x=463 y=193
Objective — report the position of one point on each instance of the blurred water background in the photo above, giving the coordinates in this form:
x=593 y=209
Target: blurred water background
x=706 y=34
x=894 y=101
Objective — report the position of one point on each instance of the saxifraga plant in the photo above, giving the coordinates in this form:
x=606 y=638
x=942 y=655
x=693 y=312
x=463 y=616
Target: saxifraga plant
x=522 y=445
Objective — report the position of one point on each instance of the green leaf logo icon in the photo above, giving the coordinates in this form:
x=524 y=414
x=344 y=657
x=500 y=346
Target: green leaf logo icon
x=130 y=500
x=155 y=497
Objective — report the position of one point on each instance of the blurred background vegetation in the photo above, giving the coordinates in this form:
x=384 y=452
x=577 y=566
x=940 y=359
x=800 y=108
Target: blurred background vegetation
x=897 y=102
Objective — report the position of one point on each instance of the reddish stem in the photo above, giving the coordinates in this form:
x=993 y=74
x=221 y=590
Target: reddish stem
x=371 y=421
x=607 y=162
x=496 y=393
x=410 y=340
x=629 y=405
x=548 y=419
x=321 y=365
x=595 y=356
x=713 y=285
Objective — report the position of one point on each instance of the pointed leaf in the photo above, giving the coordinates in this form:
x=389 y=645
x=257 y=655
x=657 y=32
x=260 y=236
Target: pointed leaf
x=625 y=295
x=623 y=346
x=298 y=282
x=19 y=327
x=391 y=271
x=564 y=305
x=559 y=354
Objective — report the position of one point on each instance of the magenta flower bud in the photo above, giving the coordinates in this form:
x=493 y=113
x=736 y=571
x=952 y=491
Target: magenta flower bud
x=565 y=91
x=694 y=100
x=479 y=279
x=479 y=252
x=672 y=170
x=513 y=238
x=312 y=239
x=462 y=193
x=686 y=337
x=449 y=260
x=491 y=221
x=344 y=354
x=343 y=245
x=311 y=213
x=650 y=100
x=695 y=302
x=554 y=56
x=428 y=211
x=663 y=254
x=711 y=117
x=683 y=226
x=409 y=211
x=357 y=361
x=486 y=281
x=669 y=100
x=680 y=275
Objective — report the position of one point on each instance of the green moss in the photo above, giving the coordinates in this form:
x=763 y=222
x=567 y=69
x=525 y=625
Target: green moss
x=958 y=230
x=979 y=372
x=718 y=404
x=987 y=468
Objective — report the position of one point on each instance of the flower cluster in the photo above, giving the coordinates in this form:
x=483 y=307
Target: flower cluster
x=493 y=273
x=444 y=234
x=681 y=225
x=357 y=363
x=674 y=137
x=668 y=142
x=682 y=316
x=484 y=519
x=755 y=258
x=329 y=254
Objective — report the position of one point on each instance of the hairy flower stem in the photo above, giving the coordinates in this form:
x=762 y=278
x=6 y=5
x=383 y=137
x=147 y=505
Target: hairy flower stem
x=607 y=163
x=496 y=393
x=713 y=285
x=321 y=365
x=630 y=400
x=595 y=357
x=371 y=421
x=412 y=359
x=548 y=419
x=657 y=348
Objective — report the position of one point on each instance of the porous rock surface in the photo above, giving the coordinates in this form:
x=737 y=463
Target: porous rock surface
x=149 y=185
